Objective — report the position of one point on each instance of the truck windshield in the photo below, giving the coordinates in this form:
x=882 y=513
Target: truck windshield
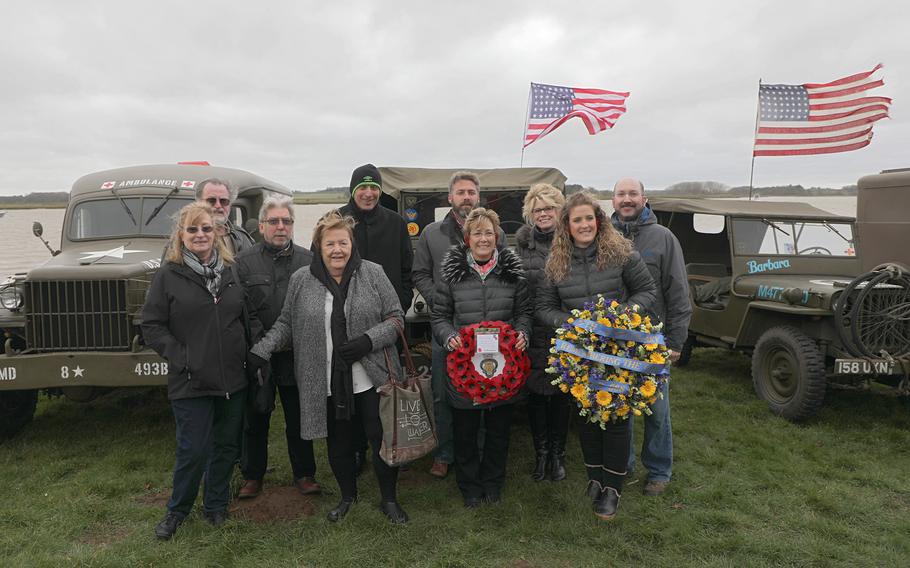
x=104 y=218
x=792 y=237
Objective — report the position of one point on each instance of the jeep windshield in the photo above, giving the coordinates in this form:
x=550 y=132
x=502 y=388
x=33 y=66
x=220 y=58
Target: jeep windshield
x=106 y=218
x=790 y=237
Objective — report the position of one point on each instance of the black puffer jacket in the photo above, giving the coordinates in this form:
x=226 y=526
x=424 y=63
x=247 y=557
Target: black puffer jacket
x=629 y=284
x=202 y=338
x=264 y=273
x=462 y=298
x=533 y=249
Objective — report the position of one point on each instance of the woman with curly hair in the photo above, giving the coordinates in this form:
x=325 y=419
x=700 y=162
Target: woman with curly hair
x=589 y=257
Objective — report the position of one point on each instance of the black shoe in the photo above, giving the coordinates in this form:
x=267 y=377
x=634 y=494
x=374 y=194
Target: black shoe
x=492 y=497
x=360 y=461
x=593 y=490
x=606 y=504
x=394 y=512
x=556 y=466
x=341 y=509
x=216 y=518
x=168 y=526
x=541 y=449
x=472 y=502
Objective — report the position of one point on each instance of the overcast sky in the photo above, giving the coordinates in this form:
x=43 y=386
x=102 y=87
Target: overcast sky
x=302 y=92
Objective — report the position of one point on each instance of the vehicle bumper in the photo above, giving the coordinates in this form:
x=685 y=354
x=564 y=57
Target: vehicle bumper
x=70 y=369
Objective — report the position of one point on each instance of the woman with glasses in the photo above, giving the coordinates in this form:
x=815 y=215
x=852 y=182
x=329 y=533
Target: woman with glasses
x=194 y=318
x=549 y=410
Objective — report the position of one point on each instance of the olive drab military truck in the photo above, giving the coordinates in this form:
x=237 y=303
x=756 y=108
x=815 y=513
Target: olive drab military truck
x=420 y=197
x=70 y=325
x=817 y=299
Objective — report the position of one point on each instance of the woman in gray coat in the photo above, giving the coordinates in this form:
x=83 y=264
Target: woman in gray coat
x=590 y=257
x=340 y=317
x=480 y=283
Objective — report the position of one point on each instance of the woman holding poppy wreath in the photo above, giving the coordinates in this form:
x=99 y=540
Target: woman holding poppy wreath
x=480 y=283
x=589 y=257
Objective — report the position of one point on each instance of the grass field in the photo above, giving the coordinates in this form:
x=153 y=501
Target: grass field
x=85 y=484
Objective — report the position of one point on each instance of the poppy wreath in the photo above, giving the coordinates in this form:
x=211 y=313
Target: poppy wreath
x=474 y=385
x=611 y=358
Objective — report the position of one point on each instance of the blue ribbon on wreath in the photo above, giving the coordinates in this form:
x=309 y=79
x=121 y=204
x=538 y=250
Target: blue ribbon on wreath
x=620 y=334
x=634 y=365
x=614 y=387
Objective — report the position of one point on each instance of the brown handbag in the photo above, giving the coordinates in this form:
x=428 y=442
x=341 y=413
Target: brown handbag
x=406 y=411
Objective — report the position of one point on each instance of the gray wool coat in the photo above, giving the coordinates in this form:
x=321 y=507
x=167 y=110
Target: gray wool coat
x=370 y=308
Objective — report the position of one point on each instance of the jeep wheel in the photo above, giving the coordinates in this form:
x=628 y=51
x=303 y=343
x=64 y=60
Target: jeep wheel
x=788 y=372
x=16 y=410
x=686 y=352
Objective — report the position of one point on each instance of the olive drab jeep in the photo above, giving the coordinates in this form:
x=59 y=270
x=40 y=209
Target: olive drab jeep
x=817 y=299
x=71 y=325
x=420 y=197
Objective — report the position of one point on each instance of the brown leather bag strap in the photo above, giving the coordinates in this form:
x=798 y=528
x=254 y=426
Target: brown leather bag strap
x=409 y=362
x=388 y=361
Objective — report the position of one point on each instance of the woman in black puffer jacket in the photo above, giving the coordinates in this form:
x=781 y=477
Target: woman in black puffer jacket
x=549 y=409
x=590 y=257
x=479 y=284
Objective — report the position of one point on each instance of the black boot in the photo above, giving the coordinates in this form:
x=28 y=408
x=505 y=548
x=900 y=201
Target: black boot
x=542 y=459
x=606 y=505
x=556 y=463
x=537 y=416
x=560 y=412
x=341 y=509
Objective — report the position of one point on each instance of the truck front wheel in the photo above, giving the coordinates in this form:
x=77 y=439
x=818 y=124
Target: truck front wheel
x=16 y=410
x=788 y=372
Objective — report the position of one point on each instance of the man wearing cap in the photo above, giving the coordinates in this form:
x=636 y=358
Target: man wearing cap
x=434 y=242
x=218 y=194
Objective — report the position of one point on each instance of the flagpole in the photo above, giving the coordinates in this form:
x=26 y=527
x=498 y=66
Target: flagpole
x=525 y=133
x=754 y=134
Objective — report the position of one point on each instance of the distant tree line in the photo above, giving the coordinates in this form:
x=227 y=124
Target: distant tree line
x=37 y=198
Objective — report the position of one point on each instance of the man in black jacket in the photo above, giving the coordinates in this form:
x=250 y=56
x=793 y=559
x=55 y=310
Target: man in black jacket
x=264 y=271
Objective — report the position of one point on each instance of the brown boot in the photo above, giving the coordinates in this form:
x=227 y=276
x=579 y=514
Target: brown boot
x=439 y=469
x=251 y=488
x=308 y=486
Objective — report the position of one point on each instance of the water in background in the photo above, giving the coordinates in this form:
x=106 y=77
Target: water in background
x=20 y=250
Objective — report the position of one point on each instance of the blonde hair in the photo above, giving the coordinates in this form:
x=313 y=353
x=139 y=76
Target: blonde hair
x=481 y=214
x=612 y=248
x=190 y=215
x=329 y=222
x=542 y=194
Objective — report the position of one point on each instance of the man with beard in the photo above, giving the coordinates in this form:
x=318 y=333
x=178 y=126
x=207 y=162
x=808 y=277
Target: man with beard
x=381 y=236
x=434 y=242
x=219 y=195
x=264 y=272
x=663 y=255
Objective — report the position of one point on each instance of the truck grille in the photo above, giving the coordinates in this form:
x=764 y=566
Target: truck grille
x=80 y=315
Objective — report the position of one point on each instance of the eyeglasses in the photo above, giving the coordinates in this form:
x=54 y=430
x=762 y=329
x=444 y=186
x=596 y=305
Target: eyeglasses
x=204 y=229
x=547 y=209
x=213 y=201
x=274 y=221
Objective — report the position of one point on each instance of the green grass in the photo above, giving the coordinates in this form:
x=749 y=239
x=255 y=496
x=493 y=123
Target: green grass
x=749 y=489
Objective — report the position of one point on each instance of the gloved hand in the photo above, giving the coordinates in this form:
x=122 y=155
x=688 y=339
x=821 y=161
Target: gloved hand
x=355 y=349
x=257 y=368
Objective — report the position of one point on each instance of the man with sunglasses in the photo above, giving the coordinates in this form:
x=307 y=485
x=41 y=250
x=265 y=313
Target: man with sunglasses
x=264 y=271
x=218 y=194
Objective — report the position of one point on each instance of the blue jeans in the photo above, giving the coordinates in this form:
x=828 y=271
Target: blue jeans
x=445 y=452
x=657 y=447
x=208 y=443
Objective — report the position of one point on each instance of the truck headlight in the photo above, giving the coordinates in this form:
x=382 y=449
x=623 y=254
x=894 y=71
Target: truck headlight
x=11 y=297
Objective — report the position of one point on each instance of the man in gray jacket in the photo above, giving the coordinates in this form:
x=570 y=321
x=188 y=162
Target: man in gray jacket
x=434 y=242
x=662 y=254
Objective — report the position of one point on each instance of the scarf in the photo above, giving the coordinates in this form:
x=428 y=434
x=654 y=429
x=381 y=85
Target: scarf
x=210 y=271
x=342 y=378
x=483 y=269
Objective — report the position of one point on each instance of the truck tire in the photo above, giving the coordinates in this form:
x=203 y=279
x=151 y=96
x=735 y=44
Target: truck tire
x=16 y=410
x=788 y=372
x=686 y=352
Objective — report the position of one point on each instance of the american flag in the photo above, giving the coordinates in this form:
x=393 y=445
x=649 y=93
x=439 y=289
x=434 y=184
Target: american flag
x=818 y=118
x=551 y=106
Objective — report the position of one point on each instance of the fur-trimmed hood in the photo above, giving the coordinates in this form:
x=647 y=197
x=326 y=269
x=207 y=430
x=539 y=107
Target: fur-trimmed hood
x=455 y=268
x=528 y=237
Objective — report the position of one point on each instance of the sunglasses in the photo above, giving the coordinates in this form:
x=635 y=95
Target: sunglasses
x=204 y=229
x=274 y=222
x=213 y=201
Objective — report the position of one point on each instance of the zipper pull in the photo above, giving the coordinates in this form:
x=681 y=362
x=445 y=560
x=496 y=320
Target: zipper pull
x=227 y=395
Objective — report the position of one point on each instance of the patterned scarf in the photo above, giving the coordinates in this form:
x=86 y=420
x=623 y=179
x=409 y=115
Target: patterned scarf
x=210 y=271
x=483 y=269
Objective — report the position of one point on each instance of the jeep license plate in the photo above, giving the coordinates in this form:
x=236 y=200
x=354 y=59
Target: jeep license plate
x=863 y=367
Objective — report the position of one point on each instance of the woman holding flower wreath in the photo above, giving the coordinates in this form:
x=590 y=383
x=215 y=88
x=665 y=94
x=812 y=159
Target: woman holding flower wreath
x=589 y=257
x=480 y=283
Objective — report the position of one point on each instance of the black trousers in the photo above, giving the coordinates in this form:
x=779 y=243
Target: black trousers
x=549 y=417
x=606 y=452
x=342 y=442
x=256 y=439
x=477 y=476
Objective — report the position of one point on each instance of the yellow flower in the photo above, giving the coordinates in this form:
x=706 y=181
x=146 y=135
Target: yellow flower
x=570 y=320
x=636 y=412
x=650 y=346
x=614 y=304
x=579 y=391
x=630 y=344
x=647 y=320
x=648 y=389
x=635 y=320
x=604 y=398
x=563 y=387
x=657 y=358
x=605 y=415
x=622 y=411
x=571 y=336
